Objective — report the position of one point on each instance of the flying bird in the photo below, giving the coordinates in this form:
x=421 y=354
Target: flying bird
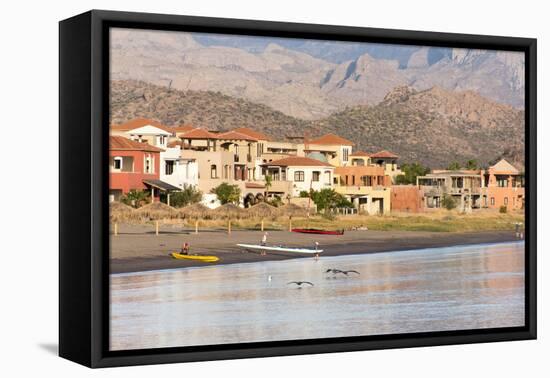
x=344 y=272
x=300 y=283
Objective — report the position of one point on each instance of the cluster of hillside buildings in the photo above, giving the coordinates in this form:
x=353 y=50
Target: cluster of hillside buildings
x=145 y=154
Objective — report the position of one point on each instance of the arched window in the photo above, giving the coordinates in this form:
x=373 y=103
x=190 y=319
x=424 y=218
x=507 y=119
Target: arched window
x=148 y=166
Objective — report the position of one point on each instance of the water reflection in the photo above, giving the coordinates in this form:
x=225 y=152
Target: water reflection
x=439 y=289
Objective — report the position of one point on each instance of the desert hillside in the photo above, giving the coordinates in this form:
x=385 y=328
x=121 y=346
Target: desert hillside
x=434 y=127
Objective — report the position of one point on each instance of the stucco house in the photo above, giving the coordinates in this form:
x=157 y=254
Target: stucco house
x=132 y=165
x=292 y=175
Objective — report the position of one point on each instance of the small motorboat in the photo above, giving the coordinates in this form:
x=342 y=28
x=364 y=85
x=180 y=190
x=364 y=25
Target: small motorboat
x=317 y=231
x=202 y=258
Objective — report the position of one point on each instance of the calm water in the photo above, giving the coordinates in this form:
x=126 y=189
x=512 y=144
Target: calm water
x=436 y=289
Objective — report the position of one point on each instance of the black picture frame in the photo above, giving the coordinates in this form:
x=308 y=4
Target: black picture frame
x=83 y=182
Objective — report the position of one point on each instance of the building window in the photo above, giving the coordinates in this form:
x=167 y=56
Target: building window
x=162 y=140
x=502 y=182
x=148 y=165
x=117 y=163
x=299 y=176
x=505 y=201
x=169 y=167
x=316 y=176
x=492 y=201
x=261 y=149
x=345 y=153
x=213 y=171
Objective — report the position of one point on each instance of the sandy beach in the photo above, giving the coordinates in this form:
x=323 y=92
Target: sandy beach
x=137 y=248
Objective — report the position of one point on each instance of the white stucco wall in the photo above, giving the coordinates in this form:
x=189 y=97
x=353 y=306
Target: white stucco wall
x=186 y=171
x=325 y=179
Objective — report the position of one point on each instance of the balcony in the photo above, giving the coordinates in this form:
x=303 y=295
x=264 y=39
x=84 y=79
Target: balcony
x=280 y=186
x=359 y=190
x=458 y=191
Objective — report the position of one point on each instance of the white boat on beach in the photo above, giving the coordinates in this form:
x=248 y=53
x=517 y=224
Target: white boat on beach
x=259 y=247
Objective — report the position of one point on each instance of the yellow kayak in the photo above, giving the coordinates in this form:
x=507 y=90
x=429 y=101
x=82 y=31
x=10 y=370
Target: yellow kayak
x=179 y=256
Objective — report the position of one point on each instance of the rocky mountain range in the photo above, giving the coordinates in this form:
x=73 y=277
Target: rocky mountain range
x=434 y=126
x=309 y=79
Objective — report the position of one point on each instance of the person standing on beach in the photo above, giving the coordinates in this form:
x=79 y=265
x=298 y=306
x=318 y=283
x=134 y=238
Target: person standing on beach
x=185 y=249
x=316 y=253
x=264 y=243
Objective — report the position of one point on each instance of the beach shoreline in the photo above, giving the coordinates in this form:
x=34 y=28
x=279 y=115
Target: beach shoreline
x=136 y=250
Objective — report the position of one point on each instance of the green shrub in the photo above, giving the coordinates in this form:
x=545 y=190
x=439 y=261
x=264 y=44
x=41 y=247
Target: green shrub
x=326 y=199
x=275 y=201
x=187 y=196
x=448 y=202
x=227 y=193
x=136 y=198
x=503 y=209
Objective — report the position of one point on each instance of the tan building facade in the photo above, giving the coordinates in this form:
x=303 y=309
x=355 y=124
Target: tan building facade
x=500 y=186
x=504 y=186
x=366 y=186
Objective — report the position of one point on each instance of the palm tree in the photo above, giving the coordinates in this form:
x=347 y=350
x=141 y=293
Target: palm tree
x=268 y=183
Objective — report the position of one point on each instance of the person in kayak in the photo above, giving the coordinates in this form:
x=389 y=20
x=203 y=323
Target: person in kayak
x=185 y=248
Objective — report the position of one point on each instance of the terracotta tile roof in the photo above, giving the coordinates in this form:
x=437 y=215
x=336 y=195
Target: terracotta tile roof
x=234 y=135
x=140 y=122
x=198 y=133
x=183 y=128
x=177 y=143
x=332 y=139
x=252 y=133
x=119 y=143
x=384 y=154
x=298 y=161
x=361 y=153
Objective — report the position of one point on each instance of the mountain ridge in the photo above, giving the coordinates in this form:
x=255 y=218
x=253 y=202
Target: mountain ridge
x=298 y=81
